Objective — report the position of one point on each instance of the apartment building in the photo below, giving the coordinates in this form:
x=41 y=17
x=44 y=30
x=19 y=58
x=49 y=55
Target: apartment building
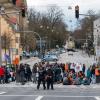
x=11 y=22
x=96 y=33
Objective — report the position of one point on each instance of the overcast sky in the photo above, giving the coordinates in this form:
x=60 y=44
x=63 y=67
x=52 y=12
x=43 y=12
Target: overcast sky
x=84 y=6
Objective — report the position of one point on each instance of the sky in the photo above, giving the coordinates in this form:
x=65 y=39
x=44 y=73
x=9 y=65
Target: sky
x=84 y=6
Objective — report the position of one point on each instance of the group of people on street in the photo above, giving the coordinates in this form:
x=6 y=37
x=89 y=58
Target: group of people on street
x=40 y=73
x=77 y=74
x=50 y=73
x=7 y=74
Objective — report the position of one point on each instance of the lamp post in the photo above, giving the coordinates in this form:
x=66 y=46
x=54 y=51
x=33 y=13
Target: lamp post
x=40 y=42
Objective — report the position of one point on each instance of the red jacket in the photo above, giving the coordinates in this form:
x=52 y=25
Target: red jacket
x=2 y=71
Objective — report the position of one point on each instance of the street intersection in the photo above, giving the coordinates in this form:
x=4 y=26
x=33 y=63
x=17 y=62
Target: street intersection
x=15 y=91
x=60 y=92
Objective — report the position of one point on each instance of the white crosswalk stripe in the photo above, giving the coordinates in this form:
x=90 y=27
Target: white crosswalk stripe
x=97 y=98
x=2 y=93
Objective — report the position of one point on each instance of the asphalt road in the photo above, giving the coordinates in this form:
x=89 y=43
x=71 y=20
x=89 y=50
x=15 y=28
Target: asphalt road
x=59 y=93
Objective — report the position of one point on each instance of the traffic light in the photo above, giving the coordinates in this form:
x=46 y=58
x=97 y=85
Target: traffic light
x=23 y=12
x=14 y=2
x=77 y=11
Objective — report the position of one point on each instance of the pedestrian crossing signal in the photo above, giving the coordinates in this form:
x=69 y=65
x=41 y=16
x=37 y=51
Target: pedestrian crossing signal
x=77 y=11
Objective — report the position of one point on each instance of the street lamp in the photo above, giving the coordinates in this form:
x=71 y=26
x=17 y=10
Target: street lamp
x=52 y=30
x=40 y=44
x=41 y=26
x=40 y=41
x=47 y=27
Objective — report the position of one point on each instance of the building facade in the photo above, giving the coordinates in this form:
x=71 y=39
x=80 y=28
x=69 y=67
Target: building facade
x=96 y=33
x=11 y=22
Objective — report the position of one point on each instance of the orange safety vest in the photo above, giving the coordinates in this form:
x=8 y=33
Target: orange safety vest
x=97 y=72
x=16 y=61
x=66 y=67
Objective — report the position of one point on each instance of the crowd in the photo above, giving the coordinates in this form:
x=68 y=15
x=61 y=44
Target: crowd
x=46 y=73
x=7 y=74
x=77 y=74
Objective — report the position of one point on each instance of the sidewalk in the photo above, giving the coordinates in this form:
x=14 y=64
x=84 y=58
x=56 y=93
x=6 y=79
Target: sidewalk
x=31 y=61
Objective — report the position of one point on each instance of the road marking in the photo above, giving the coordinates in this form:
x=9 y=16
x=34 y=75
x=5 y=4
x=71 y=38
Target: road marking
x=39 y=98
x=54 y=96
x=2 y=93
x=97 y=98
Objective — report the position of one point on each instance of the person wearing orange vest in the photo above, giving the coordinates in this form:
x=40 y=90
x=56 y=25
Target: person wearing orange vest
x=16 y=61
x=97 y=74
x=66 y=67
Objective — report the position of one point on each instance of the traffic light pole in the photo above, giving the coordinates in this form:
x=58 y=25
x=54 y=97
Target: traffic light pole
x=77 y=12
x=86 y=15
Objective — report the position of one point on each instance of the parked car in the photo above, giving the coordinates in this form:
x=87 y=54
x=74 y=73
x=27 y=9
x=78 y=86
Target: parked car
x=28 y=55
x=34 y=54
x=25 y=54
x=73 y=50
x=62 y=50
x=51 y=53
x=50 y=58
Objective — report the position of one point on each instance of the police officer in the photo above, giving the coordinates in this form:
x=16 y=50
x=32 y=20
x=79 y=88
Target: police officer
x=41 y=78
x=49 y=78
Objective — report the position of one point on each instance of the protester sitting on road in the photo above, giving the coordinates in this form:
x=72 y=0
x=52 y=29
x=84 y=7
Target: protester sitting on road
x=69 y=73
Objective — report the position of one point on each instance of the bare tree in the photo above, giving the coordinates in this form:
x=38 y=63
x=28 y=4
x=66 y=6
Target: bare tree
x=54 y=15
x=52 y=24
x=6 y=41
